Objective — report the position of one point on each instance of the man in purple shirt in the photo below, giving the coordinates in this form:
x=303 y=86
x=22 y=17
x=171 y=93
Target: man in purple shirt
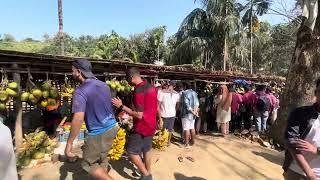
x=92 y=104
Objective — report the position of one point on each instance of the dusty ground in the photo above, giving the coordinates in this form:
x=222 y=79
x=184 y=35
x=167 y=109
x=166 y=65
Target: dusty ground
x=215 y=158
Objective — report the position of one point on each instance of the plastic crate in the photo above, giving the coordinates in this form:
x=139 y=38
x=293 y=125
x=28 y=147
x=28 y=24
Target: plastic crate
x=64 y=137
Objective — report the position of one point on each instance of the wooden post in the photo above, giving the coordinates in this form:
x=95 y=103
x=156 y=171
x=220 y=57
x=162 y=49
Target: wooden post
x=18 y=111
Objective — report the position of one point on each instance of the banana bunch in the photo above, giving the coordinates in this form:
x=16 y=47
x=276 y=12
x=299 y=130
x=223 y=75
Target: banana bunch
x=35 y=145
x=67 y=127
x=208 y=90
x=240 y=90
x=117 y=148
x=120 y=86
x=277 y=89
x=160 y=140
x=7 y=92
x=44 y=96
x=67 y=90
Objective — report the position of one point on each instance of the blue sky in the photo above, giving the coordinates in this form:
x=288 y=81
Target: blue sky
x=34 y=18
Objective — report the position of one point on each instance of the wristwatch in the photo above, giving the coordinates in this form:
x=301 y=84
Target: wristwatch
x=121 y=107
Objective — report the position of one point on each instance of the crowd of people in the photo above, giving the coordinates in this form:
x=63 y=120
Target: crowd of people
x=229 y=109
x=93 y=104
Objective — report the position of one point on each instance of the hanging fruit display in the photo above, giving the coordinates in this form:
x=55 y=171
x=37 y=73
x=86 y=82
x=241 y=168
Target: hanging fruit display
x=67 y=90
x=118 y=145
x=120 y=86
x=209 y=89
x=160 y=140
x=240 y=90
x=35 y=146
x=44 y=96
x=8 y=90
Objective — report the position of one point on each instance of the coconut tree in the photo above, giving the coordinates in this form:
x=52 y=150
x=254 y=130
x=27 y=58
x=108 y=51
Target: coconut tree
x=205 y=33
x=159 y=39
x=61 y=26
x=252 y=9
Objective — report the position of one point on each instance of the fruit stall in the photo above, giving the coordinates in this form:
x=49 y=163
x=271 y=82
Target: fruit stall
x=34 y=83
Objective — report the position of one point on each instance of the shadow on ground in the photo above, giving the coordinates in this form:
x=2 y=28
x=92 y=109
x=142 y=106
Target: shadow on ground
x=269 y=157
x=179 y=176
x=125 y=168
x=253 y=170
x=176 y=140
x=75 y=170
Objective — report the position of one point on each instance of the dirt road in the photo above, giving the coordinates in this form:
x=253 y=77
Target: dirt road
x=215 y=158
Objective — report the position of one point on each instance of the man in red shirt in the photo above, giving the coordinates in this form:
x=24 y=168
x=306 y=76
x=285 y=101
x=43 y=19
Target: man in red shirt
x=144 y=114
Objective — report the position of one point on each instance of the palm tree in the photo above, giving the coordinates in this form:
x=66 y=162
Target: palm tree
x=252 y=9
x=159 y=39
x=206 y=33
x=61 y=26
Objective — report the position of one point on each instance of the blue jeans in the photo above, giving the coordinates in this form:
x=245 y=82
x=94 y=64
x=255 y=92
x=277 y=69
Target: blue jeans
x=261 y=120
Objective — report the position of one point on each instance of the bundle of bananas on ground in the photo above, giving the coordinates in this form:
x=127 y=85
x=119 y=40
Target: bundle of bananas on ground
x=160 y=140
x=7 y=92
x=120 y=86
x=46 y=95
x=35 y=146
x=117 y=148
x=67 y=90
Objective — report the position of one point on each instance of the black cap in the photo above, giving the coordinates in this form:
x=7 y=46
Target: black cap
x=85 y=67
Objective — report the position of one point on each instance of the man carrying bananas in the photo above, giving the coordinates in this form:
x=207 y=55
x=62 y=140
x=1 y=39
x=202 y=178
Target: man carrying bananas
x=144 y=115
x=92 y=104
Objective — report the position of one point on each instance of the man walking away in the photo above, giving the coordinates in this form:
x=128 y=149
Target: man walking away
x=168 y=101
x=92 y=104
x=302 y=140
x=235 y=110
x=144 y=115
x=247 y=113
x=189 y=111
x=261 y=107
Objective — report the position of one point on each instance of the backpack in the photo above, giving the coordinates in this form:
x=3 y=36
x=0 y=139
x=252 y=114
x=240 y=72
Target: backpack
x=263 y=103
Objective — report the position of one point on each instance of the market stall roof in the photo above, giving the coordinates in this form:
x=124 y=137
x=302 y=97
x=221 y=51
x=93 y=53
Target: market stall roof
x=60 y=65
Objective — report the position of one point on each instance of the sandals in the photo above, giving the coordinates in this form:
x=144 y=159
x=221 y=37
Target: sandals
x=190 y=158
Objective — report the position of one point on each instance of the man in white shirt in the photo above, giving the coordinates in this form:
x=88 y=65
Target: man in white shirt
x=302 y=160
x=168 y=101
x=8 y=169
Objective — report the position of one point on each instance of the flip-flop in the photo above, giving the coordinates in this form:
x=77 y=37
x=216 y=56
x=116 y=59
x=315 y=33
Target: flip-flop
x=180 y=159
x=190 y=158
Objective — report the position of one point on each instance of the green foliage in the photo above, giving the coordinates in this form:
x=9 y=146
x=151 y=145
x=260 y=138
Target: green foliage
x=32 y=47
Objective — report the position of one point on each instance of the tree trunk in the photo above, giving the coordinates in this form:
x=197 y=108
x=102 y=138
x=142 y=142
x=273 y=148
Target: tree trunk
x=300 y=85
x=251 y=40
x=61 y=36
x=225 y=54
x=18 y=111
x=158 y=52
